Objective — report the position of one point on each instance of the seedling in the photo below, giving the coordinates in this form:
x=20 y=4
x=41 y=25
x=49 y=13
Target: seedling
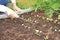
x=35 y=16
x=37 y=32
x=55 y=21
x=51 y=19
x=31 y=13
x=44 y=25
x=28 y=19
x=25 y=26
x=29 y=28
x=43 y=18
x=59 y=30
x=46 y=38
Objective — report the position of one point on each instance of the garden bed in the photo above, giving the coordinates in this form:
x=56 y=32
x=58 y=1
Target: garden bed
x=31 y=26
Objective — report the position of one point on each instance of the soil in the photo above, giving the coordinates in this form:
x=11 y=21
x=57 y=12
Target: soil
x=31 y=26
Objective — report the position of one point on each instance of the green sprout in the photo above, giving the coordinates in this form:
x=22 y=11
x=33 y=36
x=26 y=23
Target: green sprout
x=46 y=38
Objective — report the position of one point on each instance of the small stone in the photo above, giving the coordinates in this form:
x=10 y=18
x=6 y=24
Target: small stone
x=40 y=31
x=22 y=24
x=37 y=15
x=29 y=27
x=44 y=25
x=51 y=27
x=55 y=29
x=47 y=18
x=35 y=21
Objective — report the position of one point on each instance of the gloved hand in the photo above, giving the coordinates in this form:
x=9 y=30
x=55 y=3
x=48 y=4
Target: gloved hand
x=12 y=14
x=9 y=11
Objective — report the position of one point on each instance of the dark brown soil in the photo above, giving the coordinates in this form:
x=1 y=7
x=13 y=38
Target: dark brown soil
x=30 y=27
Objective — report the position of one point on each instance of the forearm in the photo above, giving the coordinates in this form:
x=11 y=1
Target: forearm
x=14 y=3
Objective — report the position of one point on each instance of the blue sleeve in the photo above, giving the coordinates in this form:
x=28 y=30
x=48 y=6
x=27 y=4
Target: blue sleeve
x=3 y=2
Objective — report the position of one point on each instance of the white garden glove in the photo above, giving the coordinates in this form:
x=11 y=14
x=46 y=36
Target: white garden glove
x=10 y=12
